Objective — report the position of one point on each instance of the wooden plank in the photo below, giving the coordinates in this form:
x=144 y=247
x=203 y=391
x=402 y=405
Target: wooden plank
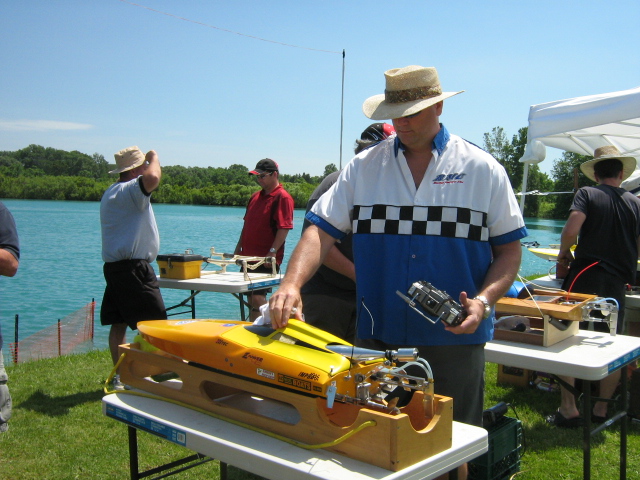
x=556 y=309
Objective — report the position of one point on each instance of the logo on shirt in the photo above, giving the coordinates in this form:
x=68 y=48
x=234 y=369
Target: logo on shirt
x=444 y=179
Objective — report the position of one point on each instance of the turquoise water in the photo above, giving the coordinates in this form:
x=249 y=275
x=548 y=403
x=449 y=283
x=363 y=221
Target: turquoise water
x=61 y=268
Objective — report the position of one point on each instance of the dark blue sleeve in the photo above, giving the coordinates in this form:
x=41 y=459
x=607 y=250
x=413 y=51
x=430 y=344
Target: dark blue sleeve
x=8 y=232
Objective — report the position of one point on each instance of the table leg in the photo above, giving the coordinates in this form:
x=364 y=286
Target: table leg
x=223 y=471
x=586 y=432
x=624 y=423
x=242 y=317
x=193 y=304
x=133 y=453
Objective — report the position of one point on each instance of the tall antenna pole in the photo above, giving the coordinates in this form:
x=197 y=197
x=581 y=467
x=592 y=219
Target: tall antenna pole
x=342 y=110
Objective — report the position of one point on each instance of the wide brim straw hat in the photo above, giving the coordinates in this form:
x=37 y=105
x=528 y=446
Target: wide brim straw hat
x=128 y=159
x=605 y=153
x=408 y=91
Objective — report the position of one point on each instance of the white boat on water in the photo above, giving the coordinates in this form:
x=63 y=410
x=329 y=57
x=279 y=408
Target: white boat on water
x=551 y=254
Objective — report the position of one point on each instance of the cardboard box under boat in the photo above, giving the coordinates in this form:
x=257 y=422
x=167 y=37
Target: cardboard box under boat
x=519 y=377
x=547 y=318
x=389 y=441
x=179 y=266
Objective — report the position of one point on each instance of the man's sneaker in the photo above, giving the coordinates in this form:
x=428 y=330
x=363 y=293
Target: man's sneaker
x=116 y=384
x=4 y=426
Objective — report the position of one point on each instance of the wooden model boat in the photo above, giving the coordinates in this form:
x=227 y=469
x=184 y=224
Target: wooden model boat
x=299 y=382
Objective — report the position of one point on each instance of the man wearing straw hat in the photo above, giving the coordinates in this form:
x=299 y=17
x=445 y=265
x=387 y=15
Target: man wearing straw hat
x=422 y=205
x=130 y=242
x=604 y=222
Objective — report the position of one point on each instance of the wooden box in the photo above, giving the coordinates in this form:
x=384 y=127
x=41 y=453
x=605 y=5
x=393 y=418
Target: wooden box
x=551 y=317
x=389 y=441
x=519 y=377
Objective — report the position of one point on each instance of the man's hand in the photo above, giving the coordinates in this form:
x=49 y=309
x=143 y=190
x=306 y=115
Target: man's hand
x=270 y=258
x=475 y=312
x=283 y=304
x=565 y=257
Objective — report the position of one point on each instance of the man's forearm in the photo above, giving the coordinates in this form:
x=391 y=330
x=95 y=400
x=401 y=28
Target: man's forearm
x=305 y=260
x=503 y=271
x=281 y=236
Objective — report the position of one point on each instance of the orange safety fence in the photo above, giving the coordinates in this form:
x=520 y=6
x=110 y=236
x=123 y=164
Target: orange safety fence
x=72 y=334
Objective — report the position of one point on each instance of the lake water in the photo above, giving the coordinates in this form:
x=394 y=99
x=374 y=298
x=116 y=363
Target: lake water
x=61 y=267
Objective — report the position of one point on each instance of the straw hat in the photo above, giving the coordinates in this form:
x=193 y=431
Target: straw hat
x=128 y=159
x=408 y=90
x=605 y=153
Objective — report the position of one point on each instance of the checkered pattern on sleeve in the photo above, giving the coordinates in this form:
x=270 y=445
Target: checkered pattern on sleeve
x=416 y=220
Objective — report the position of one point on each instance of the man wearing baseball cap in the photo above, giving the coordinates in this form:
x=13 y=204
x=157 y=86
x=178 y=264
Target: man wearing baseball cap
x=423 y=205
x=267 y=221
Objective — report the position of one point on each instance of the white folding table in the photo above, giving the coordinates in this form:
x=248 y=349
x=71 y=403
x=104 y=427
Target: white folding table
x=235 y=283
x=589 y=356
x=265 y=456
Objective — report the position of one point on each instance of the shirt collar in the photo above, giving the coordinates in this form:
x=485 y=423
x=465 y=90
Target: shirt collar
x=439 y=142
x=272 y=192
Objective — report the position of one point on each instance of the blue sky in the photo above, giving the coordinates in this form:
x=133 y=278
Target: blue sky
x=201 y=84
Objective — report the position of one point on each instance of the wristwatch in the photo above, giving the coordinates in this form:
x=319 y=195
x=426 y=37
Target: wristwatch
x=487 y=307
x=272 y=250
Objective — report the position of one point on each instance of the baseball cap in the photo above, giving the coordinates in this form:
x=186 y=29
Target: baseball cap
x=263 y=166
x=377 y=131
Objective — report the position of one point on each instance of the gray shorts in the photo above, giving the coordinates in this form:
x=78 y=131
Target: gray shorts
x=458 y=372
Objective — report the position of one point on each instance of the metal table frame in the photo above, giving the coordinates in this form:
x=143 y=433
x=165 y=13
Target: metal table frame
x=589 y=356
x=235 y=283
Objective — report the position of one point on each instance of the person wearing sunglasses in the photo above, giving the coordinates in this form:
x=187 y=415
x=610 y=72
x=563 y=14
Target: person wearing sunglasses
x=267 y=221
x=422 y=205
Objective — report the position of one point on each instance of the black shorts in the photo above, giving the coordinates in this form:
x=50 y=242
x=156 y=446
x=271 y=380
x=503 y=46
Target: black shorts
x=132 y=294
x=263 y=269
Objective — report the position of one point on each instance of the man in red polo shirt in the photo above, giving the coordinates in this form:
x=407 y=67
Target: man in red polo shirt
x=267 y=221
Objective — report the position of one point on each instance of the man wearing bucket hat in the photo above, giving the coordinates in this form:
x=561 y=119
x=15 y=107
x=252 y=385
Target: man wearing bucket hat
x=130 y=243
x=422 y=205
x=604 y=222
x=267 y=222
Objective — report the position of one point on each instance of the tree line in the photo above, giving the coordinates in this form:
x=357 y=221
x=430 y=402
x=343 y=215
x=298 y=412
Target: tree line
x=45 y=173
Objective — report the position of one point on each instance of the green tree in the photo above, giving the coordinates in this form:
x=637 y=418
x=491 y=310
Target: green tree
x=329 y=169
x=509 y=155
x=567 y=178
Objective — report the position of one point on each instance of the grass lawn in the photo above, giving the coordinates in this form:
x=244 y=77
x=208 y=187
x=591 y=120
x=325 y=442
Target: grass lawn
x=58 y=430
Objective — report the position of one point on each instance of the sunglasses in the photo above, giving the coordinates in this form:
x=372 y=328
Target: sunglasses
x=262 y=175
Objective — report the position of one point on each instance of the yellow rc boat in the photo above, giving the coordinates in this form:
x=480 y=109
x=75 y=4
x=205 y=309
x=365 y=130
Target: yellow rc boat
x=299 y=358
x=299 y=383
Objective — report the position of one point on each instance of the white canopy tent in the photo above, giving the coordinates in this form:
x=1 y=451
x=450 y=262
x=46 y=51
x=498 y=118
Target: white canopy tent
x=583 y=124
